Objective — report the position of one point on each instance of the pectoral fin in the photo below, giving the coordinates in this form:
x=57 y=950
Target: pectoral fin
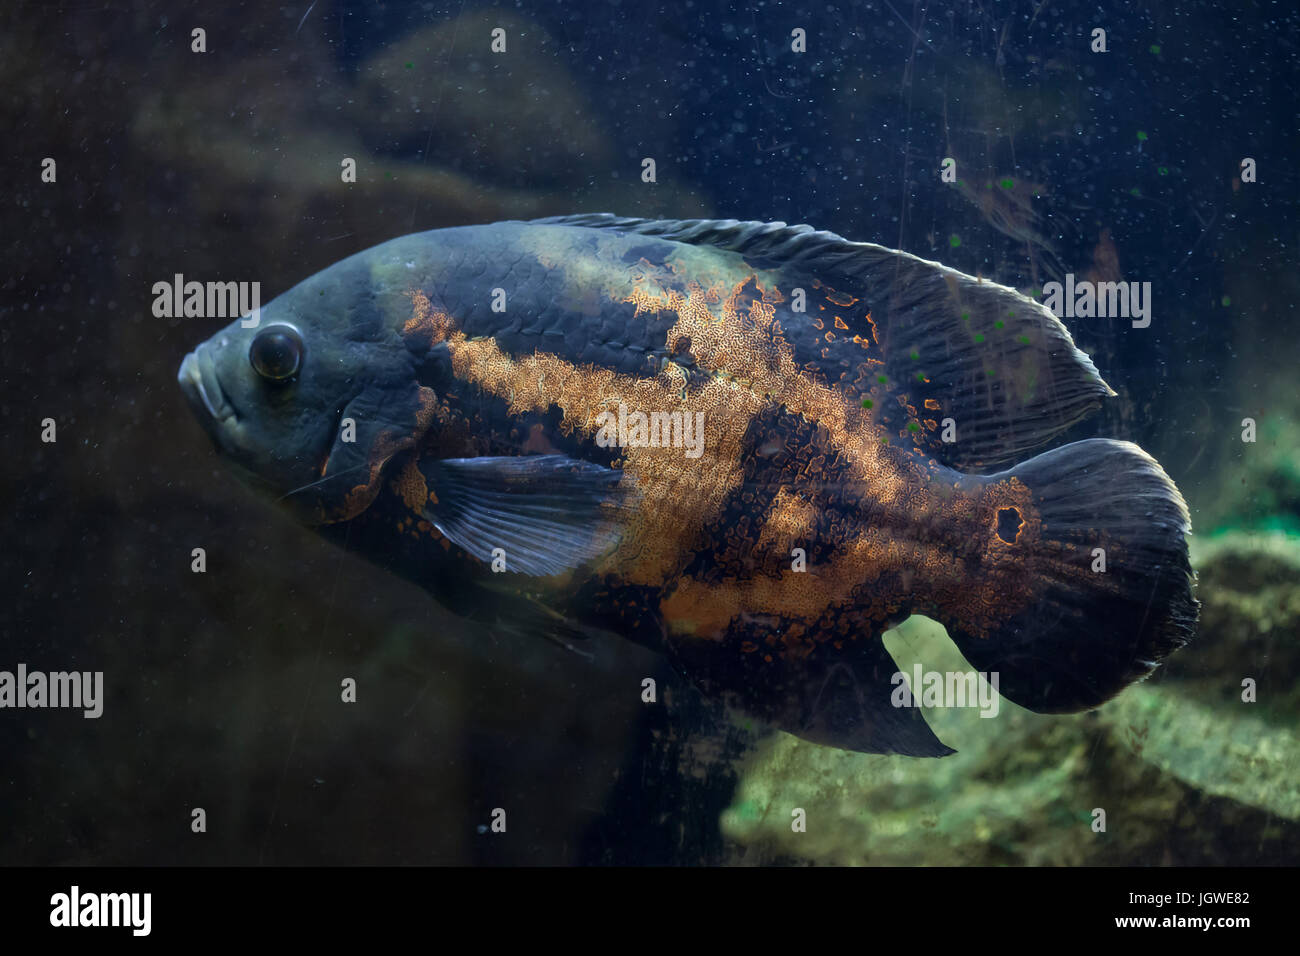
x=542 y=514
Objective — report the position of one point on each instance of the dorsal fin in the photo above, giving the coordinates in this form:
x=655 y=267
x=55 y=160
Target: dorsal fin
x=999 y=364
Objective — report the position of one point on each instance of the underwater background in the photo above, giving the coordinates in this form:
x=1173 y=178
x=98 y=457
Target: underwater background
x=222 y=687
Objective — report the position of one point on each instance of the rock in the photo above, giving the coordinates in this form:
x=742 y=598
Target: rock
x=1184 y=769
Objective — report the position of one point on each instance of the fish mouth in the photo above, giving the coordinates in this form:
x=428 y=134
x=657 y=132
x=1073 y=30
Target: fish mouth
x=198 y=380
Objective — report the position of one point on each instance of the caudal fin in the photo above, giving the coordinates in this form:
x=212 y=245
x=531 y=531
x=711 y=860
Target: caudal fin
x=1112 y=603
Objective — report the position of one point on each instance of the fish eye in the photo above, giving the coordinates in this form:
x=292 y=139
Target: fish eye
x=276 y=353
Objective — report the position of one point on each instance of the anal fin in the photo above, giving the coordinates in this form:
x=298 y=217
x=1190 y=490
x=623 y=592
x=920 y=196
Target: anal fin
x=851 y=708
x=838 y=698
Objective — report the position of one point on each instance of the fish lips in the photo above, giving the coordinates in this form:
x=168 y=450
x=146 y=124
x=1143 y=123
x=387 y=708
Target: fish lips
x=228 y=428
x=198 y=380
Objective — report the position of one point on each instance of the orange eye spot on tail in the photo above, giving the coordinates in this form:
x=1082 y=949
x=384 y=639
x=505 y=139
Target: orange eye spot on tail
x=1009 y=524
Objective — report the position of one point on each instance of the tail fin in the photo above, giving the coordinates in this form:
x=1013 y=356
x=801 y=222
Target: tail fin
x=1094 y=627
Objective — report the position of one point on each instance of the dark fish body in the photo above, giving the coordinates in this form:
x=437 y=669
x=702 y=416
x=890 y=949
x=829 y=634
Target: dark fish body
x=752 y=447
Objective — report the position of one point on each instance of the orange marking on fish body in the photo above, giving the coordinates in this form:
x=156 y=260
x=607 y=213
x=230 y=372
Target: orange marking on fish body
x=793 y=520
x=427 y=325
x=693 y=613
x=665 y=480
x=385 y=446
x=411 y=487
x=750 y=367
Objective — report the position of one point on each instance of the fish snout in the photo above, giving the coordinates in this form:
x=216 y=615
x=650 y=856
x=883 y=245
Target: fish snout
x=198 y=380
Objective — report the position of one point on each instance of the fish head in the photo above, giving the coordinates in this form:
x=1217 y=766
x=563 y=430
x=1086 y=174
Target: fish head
x=312 y=395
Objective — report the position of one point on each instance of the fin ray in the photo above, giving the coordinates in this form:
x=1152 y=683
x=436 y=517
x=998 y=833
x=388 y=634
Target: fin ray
x=1091 y=633
x=1000 y=365
x=548 y=513
x=835 y=698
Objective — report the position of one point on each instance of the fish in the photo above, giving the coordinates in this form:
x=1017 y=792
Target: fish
x=749 y=446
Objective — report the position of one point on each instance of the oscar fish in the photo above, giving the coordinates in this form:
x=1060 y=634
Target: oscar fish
x=752 y=447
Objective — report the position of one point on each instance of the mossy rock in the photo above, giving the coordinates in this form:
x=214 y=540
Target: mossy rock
x=1249 y=587
x=1184 y=776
